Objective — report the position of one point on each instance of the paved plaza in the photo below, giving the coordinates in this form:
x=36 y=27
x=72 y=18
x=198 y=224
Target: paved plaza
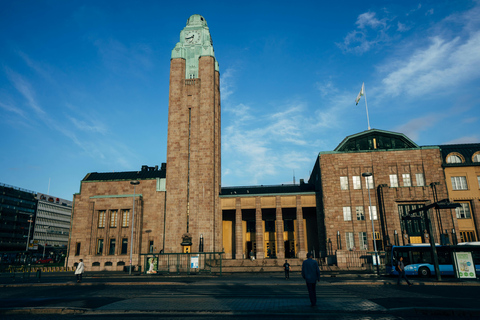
x=256 y=296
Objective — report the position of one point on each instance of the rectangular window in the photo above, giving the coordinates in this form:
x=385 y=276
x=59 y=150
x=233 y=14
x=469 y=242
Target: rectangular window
x=77 y=249
x=393 y=181
x=101 y=219
x=113 y=218
x=350 y=241
x=125 y=218
x=406 y=180
x=369 y=182
x=151 y=246
x=362 y=236
x=478 y=178
x=111 y=249
x=99 y=246
x=360 y=213
x=372 y=209
x=463 y=212
x=459 y=183
x=420 y=179
x=357 y=182
x=347 y=214
x=124 y=246
x=344 y=183
x=467 y=236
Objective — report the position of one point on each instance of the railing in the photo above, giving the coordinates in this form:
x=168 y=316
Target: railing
x=358 y=259
x=189 y=263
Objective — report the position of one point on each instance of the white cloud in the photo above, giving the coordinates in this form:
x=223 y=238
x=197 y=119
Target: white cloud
x=369 y=19
x=402 y=27
x=227 y=83
x=466 y=139
x=370 y=32
x=429 y=12
x=13 y=109
x=24 y=88
x=440 y=66
x=93 y=126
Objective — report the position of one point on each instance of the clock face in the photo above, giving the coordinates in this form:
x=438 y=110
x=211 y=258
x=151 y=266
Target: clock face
x=192 y=36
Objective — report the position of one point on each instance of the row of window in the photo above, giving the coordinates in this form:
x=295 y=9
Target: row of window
x=406 y=179
x=460 y=183
x=359 y=212
x=112 y=247
x=362 y=240
x=457 y=158
x=102 y=216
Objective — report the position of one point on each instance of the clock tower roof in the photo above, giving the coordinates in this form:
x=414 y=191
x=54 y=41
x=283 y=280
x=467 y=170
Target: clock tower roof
x=195 y=42
x=196 y=20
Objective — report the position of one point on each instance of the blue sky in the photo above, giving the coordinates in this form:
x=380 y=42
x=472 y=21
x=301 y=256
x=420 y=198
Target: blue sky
x=84 y=84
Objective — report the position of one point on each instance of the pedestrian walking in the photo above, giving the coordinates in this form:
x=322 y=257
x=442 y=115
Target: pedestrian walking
x=286 y=266
x=80 y=270
x=311 y=274
x=401 y=272
x=252 y=256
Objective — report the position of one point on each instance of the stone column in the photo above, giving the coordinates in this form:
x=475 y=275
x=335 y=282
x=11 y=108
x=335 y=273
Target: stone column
x=279 y=228
x=259 y=229
x=301 y=250
x=238 y=230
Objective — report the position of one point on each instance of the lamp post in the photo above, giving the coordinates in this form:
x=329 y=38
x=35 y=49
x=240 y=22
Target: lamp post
x=29 y=227
x=134 y=183
x=367 y=175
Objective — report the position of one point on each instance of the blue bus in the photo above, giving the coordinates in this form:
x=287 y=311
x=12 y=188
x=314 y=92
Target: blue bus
x=418 y=258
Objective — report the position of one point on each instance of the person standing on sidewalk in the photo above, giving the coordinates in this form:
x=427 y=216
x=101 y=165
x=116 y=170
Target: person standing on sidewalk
x=401 y=272
x=80 y=270
x=311 y=274
x=286 y=266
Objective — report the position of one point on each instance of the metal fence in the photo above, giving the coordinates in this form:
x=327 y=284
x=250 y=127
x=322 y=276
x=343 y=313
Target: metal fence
x=358 y=259
x=189 y=263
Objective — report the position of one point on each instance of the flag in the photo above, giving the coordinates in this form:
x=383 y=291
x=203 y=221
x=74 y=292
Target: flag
x=360 y=94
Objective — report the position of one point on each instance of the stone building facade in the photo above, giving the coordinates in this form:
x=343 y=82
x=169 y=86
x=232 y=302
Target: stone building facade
x=402 y=176
x=183 y=208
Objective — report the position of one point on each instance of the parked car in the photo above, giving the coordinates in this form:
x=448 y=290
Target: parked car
x=47 y=260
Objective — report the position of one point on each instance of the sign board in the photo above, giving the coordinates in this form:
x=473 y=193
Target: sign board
x=194 y=262
x=464 y=265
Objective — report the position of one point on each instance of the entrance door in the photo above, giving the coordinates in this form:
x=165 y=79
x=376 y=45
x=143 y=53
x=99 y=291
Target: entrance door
x=287 y=249
x=249 y=248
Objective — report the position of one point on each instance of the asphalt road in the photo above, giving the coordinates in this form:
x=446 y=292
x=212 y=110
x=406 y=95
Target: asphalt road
x=235 y=296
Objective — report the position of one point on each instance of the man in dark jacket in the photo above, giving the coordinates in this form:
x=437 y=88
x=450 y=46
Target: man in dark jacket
x=311 y=274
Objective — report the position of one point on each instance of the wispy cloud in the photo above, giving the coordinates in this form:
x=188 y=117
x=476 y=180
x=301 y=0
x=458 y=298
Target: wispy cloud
x=13 y=109
x=370 y=32
x=25 y=89
x=227 y=83
x=466 y=139
x=441 y=65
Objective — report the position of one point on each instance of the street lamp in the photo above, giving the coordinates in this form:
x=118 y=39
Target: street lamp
x=367 y=175
x=134 y=183
x=29 y=227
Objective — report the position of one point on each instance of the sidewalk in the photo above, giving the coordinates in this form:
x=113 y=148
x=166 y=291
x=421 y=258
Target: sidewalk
x=122 y=278
x=230 y=294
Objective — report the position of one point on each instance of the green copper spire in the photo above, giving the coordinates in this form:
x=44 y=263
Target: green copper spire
x=195 y=42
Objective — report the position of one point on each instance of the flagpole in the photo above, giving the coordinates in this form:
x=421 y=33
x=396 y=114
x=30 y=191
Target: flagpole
x=366 y=108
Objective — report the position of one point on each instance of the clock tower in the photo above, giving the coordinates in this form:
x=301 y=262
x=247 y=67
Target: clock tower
x=193 y=148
